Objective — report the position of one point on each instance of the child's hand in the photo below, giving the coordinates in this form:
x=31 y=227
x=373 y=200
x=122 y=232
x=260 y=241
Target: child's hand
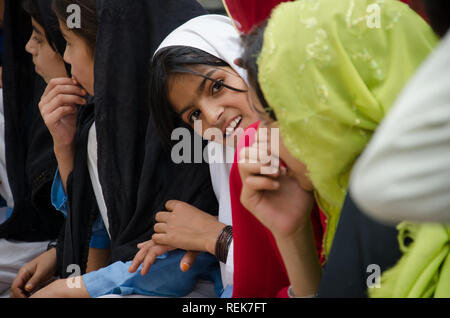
x=58 y=108
x=34 y=275
x=186 y=227
x=276 y=199
x=149 y=251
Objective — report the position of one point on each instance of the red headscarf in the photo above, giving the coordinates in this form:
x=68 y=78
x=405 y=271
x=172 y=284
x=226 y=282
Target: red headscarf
x=249 y=13
x=418 y=6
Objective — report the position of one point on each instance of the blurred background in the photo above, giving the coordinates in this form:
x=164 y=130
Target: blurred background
x=213 y=6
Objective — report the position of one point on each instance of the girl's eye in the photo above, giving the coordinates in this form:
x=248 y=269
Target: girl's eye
x=217 y=87
x=38 y=40
x=195 y=115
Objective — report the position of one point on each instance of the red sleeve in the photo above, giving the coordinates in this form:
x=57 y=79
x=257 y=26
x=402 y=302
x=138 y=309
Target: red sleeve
x=259 y=269
x=283 y=293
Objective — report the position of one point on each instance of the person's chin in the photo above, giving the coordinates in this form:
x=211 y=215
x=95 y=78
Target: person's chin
x=45 y=78
x=37 y=70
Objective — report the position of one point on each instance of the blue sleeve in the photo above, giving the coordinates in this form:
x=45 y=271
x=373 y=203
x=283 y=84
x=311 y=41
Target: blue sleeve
x=9 y=212
x=59 y=197
x=164 y=279
x=100 y=237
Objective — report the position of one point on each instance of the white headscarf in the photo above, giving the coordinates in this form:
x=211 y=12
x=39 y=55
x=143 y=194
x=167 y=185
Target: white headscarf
x=216 y=35
x=213 y=34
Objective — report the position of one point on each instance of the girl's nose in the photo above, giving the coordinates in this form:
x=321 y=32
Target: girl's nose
x=29 y=48
x=213 y=114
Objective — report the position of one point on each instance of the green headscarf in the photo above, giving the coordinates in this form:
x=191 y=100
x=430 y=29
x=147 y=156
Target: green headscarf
x=331 y=71
x=424 y=269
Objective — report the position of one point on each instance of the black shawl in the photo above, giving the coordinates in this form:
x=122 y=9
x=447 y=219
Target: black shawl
x=29 y=148
x=359 y=242
x=136 y=174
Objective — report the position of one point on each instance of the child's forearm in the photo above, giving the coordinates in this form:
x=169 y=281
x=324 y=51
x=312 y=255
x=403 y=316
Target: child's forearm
x=64 y=288
x=301 y=261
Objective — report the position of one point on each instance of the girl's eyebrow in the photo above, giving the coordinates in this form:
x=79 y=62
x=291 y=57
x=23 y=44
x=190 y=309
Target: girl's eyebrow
x=63 y=32
x=36 y=29
x=203 y=83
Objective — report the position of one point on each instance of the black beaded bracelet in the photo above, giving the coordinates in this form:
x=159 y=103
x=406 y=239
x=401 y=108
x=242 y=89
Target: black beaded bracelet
x=223 y=243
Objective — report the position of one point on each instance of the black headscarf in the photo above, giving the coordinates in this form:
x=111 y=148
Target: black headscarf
x=137 y=175
x=29 y=148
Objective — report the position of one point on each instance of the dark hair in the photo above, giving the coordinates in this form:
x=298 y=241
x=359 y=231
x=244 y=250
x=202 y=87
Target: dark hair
x=438 y=11
x=31 y=7
x=89 y=24
x=253 y=44
x=175 y=60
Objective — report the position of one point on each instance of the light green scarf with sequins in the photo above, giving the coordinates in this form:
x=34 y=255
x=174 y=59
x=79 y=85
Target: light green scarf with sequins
x=331 y=70
x=424 y=269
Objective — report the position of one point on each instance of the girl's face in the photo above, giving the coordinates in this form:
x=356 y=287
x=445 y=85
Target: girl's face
x=79 y=56
x=196 y=98
x=48 y=63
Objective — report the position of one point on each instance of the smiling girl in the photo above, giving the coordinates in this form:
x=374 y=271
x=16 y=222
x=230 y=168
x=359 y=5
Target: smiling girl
x=195 y=79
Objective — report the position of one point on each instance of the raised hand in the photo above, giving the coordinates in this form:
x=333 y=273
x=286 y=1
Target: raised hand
x=276 y=200
x=58 y=108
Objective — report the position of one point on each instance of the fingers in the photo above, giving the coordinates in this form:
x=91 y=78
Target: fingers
x=162 y=216
x=188 y=260
x=148 y=262
x=160 y=228
x=60 y=100
x=142 y=244
x=255 y=160
x=172 y=204
x=160 y=239
x=151 y=256
x=63 y=90
x=58 y=114
x=58 y=81
x=21 y=287
x=261 y=183
x=140 y=256
x=147 y=256
x=34 y=282
x=248 y=169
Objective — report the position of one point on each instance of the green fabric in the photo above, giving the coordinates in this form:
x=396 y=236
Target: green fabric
x=330 y=78
x=424 y=269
